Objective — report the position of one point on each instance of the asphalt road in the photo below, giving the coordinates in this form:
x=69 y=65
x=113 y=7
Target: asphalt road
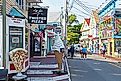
x=93 y=70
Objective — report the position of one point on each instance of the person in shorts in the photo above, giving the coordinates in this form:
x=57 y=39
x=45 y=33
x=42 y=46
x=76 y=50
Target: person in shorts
x=84 y=52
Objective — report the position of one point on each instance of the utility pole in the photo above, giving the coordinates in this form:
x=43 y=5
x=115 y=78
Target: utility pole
x=4 y=32
x=66 y=21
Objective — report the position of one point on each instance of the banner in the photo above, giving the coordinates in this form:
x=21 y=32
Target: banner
x=37 y=15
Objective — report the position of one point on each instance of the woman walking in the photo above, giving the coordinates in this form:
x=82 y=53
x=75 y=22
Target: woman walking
x=84 y=52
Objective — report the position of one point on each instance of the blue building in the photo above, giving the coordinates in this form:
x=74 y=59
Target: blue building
x=110 y=27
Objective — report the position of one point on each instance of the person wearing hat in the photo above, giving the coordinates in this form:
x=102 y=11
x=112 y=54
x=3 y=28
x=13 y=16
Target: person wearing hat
x=58 y=51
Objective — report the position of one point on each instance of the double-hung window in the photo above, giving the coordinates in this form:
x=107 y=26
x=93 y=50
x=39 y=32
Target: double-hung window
x=20 y=3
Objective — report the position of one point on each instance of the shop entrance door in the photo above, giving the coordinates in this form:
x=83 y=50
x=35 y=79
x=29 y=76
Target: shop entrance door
x=110 y=48
x=37 y=46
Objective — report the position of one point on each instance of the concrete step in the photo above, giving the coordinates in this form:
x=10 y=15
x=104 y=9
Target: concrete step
x=44 y=66
x=39 y=65
x=40 y=79
x=41 y=75
x=48 y=77
x=40 y=71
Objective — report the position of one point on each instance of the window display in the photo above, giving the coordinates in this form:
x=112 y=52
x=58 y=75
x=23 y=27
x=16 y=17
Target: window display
x=15 y=38
x=118 y=46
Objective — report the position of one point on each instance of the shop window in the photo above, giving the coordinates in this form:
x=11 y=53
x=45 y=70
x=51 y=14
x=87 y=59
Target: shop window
x=20 y=3
x=15 y=37
x=17 y=1
x=117 y=47
x=55 y=25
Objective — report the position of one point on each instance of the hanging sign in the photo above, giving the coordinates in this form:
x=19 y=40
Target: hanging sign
x=37 y=15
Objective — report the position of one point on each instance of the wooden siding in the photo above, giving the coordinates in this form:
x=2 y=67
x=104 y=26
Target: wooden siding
x=12 y=3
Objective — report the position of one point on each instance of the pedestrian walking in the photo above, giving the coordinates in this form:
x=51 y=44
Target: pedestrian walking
x=81 y=52
x=84 y=52
x=72 y=51
x=68 y=51
x=103 y=51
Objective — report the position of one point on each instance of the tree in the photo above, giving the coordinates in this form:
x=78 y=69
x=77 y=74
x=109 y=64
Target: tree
x=73 y=33
x=72 y=19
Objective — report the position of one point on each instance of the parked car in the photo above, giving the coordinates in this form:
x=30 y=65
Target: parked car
x=77 y=47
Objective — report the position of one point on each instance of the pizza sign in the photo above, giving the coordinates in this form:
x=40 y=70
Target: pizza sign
x=37 y=15
x=18 y=57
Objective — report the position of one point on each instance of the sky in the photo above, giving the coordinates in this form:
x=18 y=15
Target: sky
x=55 y=6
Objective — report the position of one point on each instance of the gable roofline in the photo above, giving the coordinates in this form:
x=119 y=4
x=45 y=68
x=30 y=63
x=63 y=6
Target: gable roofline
x=87 y=21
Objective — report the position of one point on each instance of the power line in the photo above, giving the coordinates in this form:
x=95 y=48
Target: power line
x=81 y=11
x=82 y=7
x=79 y=15
x=71 y=5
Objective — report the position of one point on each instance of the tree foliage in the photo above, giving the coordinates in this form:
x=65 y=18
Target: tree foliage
x=73 y=34
x=72 y=19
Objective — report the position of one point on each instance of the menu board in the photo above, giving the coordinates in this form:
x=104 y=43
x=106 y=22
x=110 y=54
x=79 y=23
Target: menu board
x=15 y=38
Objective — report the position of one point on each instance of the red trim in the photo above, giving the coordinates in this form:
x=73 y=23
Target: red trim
x=50 y=34
x=89 y=36
x=12 y=67
x=88 y=21
x=49 y=27
x=95 y=38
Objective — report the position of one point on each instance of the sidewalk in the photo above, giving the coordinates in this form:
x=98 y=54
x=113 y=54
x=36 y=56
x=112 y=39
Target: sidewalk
x=113 y=60
x=42 y=69
x=106 y=58
x=101 y=58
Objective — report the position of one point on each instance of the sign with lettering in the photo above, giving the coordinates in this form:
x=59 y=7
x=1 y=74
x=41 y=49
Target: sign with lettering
x=37 y=16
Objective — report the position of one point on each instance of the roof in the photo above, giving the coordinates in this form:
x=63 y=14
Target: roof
x=87 y=20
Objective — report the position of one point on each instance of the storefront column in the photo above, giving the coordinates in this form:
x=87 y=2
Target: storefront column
x=113 y=47
x=108 y=48
x=99 y=46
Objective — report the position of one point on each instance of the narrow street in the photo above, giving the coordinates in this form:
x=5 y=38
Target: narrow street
x=93 y=69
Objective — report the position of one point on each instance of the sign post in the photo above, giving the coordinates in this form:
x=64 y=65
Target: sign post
x=4 y=32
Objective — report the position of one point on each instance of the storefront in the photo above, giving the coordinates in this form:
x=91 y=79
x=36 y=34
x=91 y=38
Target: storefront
x=15 y=39
x=50 y=35
x=117 y=38
x=95 y=45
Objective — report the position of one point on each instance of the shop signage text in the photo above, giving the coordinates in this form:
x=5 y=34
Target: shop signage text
x=37 y=15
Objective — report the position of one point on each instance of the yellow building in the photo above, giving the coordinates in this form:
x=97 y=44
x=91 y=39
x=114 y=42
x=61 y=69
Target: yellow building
x=110 y=28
